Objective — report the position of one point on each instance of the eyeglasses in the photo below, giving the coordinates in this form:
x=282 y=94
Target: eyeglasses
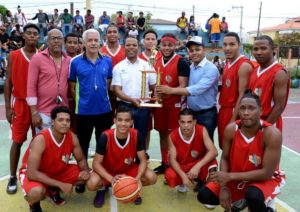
x=58 y=38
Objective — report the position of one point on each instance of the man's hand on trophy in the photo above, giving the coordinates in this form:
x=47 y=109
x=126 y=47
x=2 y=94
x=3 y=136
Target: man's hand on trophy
x=136 y=102
x=163 y=89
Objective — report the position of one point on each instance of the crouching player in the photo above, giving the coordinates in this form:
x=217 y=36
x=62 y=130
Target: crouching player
x=45 y=169
x=116 y=151
x=192 y=153
x=249 y=163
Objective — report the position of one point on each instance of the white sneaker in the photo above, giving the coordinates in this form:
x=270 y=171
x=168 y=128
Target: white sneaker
x=181 y=188
x=210 y=207
x=271 y=205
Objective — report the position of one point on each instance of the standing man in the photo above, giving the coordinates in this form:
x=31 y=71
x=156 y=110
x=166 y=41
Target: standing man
x=192 y=153
x=47 y=84
x=45 y=168
x=90 y=74
x=182 y=24
x=127 y=85
x=141 y=25
x=202 y=88
x=18 y=114
x=115 y=157
x=175 y=71
x=235 y=80
x=43 y=21
x=249 y=162
x=20 y=18
x=215 y=30
x=89 y=20
x=270 y=81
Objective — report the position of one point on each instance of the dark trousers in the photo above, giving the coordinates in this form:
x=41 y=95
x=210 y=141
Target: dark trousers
x=86 y=125
x=209 y=119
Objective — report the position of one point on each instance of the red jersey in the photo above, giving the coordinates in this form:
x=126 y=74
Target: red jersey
x=247 y=154
x=189 y=151
x=169 y=76
x=262 y=82
x=118 y=56
x=119 y=158
x=19 y=73
x=55 y=157
x=230 y=82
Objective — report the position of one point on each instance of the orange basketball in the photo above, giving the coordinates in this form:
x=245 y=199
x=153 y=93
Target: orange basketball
x=126 y=189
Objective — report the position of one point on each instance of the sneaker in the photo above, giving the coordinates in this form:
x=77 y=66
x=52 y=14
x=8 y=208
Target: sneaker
x=181 y=188
x=198 y=186
x=12 y=185
x=210 y=207
x=271 y=206
x=138 y=201
x=99 y=198
x=55 y=197
x=80 y=188
x=239 y=205
x=160 y=169
x=36 y=207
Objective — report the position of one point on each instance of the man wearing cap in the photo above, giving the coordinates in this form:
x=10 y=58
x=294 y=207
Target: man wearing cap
x=202 y=88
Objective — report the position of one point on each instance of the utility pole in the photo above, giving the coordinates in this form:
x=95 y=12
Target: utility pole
x=258 y=26
x=87 y=4
x=241 y=23
x=72 y=8
x=194 y=10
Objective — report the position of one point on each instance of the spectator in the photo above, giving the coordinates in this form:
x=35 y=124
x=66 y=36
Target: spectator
x=71 y=44
x=55 y=19
x=215 y=29
x=141 y=25
x=89 y=20
x=130 y=22
x=42 y=21
x=78 y=22
x=9 y=22
x=1 y=20
x=121 y=25
x=67 y=21
x=224 y=25
x=207 y=27
x=104 y=21
x=133 y=32
x=3 y=41
x=17 y=30
x=20 y=17
x=182 y=24
x=192 y=26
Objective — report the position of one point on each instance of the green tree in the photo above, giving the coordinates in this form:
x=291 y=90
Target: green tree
x=3 y=10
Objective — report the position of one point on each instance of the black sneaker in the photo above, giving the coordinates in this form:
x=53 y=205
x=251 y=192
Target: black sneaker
x=138 y=201
x=160 y=169
x=36 y=207
x=12 y=185
x=55 y=197
x=80 y=188
x=99 y=198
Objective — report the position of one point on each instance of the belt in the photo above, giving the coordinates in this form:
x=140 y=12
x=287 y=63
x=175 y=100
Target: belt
x=213 y=108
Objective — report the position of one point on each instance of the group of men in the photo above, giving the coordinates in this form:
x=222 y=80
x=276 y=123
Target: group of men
x=38 y=84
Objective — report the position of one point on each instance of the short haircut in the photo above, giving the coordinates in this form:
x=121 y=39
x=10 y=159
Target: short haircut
x=73 y=35
x=111 y=25
x=249 y=94
x=187 y=112
x=89 y=10
x=268 y=38
x=150 y=31
x=123 y=109
x=86 y=32
x=233 y=34
x=27 y=26
x=169 y=35
x=66 y=10
x=131 y=38
x=60 y=109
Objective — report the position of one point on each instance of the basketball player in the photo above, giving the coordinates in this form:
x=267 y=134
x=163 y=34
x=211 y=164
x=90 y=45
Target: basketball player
x=192 y=153
x=115 y=154
x=18 y=113
x=270 y=81
x=45 y=169
x=235 y=80
x=249 y=162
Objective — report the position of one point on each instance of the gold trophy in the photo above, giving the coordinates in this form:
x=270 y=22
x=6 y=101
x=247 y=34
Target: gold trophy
x=150 y=100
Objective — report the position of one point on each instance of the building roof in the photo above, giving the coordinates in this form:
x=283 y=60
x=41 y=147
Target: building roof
x=162 y=22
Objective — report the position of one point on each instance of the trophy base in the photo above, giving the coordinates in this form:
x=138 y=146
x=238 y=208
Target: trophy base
x=149 y=105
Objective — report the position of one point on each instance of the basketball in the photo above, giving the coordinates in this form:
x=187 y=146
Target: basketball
x=126 y=189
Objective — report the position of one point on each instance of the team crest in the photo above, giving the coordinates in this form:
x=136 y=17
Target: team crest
x=65 y=158
x=257 y=91
x=128 y=161
x=168 y=79
x=194 y=153
x=228 y=83
x=255 y=160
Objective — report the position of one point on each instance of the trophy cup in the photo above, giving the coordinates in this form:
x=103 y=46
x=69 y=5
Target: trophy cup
x=150 y=100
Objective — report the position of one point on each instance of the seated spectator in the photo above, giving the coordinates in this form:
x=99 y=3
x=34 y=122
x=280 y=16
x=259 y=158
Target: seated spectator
x=130 y=22
x=55 y=19
x=78 y=22
x=17 y=30
x=120 y=20
x=89 y=20
x=141 y=25
x=224 y=25
x=67 y=21
x=133 y=32
x=192 y=26
x=182 y=24
x=43 y=20
x=104 y=21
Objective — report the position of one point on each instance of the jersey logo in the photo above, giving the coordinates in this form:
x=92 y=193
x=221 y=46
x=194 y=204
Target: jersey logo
x=65 y=158
x=255 y=160
x=228 y=83
x=194 y=154
x=168 y=79
x=257 y=91
x=128 y=161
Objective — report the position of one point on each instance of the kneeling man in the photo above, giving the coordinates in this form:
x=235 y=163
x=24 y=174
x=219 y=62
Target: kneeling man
x=249 y=163
x=45 y=168
x=115 y=156
x=192 y=153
